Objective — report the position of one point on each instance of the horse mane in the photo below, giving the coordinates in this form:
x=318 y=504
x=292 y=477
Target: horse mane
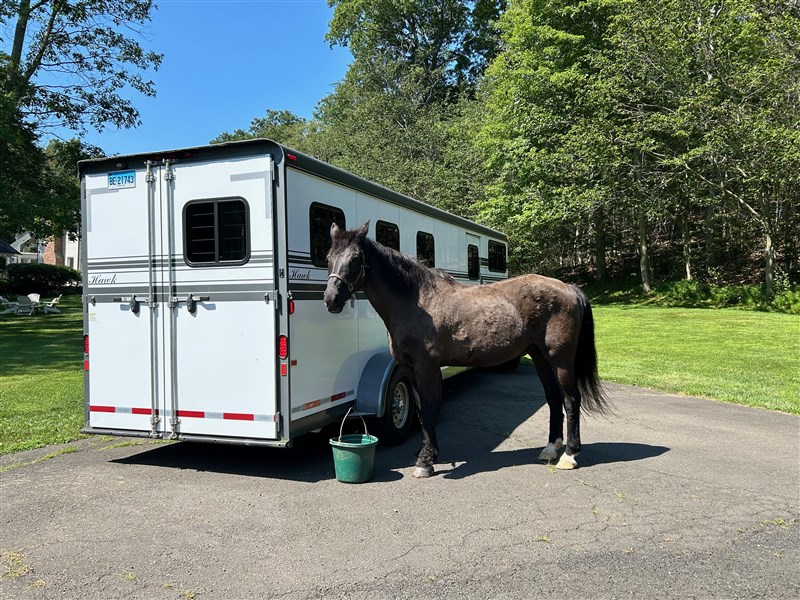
x=408 y=274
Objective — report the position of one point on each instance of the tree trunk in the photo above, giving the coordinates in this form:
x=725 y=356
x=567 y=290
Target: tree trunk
x=769 y=267
x=644 y=254
x=686 y=244
x=709 y=237
x=600 y=245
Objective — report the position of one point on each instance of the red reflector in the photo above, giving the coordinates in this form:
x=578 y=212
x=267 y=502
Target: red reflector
x=238 y=416
x=141 y=411
x=86 y=344
x=284 y=370
x=103 y=409
x=283 y=347
x=291 y=157
x=86 y=365
x=194 y=414
x=291 y=307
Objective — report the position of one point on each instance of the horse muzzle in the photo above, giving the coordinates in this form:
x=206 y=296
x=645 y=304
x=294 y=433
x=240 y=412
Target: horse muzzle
x=334 y=299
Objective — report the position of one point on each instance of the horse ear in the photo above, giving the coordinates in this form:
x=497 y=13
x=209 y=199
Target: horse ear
x=334 y=230
x=363 y=230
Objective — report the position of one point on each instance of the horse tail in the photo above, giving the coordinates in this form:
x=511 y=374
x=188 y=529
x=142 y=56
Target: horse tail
x=593 y=395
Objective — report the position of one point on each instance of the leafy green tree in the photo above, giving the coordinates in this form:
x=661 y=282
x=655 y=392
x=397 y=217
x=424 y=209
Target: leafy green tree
x=714 y=88
x=68 y=61
x=63 y=63
x=280 y=125
x=551 y=134
x=45 y=199
x=444 y=43
x=657 y=118
x=402 y=114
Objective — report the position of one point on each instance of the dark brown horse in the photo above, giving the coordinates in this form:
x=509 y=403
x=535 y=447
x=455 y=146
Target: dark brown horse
x=434 y=321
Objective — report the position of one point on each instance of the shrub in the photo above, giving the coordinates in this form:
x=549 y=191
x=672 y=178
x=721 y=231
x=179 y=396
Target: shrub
x=35 y=278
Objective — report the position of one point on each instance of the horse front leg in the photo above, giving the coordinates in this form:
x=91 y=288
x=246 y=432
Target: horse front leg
x=572 y=406
x=428 y=396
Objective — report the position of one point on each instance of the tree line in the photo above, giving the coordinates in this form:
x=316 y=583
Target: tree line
x=607 y=138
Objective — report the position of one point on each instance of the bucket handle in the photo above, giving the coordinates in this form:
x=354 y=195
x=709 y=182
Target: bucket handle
x=341 y=427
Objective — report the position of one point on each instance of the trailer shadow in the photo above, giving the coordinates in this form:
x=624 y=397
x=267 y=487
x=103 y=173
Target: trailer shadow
x=476 y=419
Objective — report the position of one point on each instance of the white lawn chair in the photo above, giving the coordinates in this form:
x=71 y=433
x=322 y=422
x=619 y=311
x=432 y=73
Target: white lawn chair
x=52 y=305
x=25 y=306
x=8 y=306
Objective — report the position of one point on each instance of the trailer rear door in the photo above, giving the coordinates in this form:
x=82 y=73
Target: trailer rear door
x=122 y=277
x=180 y=299
x=219 y=330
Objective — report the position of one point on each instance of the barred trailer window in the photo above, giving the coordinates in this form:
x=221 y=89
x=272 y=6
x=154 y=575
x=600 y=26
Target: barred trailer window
x=426 y=249
x=497 y=257
x=473 y=262
x=387 y=234
x=321 y=218
x=216 y=232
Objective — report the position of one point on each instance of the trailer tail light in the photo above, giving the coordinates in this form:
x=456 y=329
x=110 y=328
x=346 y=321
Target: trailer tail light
x=283 y=347
x=86 y=352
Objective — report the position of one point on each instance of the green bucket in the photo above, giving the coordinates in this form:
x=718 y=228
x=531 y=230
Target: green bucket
x=354 y=454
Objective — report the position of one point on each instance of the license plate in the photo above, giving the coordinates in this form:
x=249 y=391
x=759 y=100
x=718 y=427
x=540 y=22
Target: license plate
x=121 y=180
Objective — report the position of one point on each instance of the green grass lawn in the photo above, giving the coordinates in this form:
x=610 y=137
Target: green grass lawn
x=737 y=356
x=41 y=377
x=750 y=358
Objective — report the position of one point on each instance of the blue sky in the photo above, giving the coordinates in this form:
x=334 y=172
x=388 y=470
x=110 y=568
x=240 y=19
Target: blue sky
x=225 y=63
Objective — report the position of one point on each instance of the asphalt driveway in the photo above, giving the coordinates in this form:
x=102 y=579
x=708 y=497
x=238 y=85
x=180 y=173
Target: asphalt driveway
x=675 y=497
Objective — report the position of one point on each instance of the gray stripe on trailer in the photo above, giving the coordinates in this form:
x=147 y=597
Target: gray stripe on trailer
x=250 y=176
x=177 y=263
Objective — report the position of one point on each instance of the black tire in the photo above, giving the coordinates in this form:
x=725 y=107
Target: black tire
x=397 y=421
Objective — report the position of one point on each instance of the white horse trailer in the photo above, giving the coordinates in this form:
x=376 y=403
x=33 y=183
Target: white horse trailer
x=203 y=275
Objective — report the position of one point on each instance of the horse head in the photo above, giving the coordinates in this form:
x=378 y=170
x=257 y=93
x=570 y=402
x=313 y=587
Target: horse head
x=346 y=266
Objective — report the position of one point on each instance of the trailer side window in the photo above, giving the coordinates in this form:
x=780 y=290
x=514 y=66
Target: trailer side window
x=473 y=262
x=215 y=232
x=426 y=249
x=322 y=217
x=497 y=257
x=387 y=234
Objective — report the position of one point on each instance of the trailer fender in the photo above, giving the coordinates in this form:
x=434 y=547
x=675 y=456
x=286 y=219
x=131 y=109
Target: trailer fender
x=373 y=383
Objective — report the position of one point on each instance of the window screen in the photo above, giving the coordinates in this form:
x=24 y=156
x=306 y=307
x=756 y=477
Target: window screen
x=497 y=257
x=215 y=231
x=473 y=262
x=322 y=217
x=388 y=234
x=426 y=250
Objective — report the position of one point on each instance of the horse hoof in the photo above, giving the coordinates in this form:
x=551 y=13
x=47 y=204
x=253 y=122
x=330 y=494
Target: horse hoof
x=423 y=472
x=550 y=452
x=567 y=463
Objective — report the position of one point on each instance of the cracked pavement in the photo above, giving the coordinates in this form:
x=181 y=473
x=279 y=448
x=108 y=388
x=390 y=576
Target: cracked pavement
x=674 y=497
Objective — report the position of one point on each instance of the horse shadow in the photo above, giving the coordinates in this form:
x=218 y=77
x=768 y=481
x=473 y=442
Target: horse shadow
x=474 y=423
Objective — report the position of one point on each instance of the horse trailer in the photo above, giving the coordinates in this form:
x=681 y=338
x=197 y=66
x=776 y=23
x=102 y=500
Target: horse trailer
x=203 y=273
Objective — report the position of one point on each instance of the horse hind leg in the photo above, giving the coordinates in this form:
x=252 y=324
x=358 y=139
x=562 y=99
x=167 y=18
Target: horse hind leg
x=572 y=406
x=555 y=402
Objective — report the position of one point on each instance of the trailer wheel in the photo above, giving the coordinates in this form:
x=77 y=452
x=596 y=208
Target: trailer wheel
x=397 y=421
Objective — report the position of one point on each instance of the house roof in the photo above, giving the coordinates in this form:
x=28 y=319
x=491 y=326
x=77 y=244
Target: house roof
x=6 y=248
